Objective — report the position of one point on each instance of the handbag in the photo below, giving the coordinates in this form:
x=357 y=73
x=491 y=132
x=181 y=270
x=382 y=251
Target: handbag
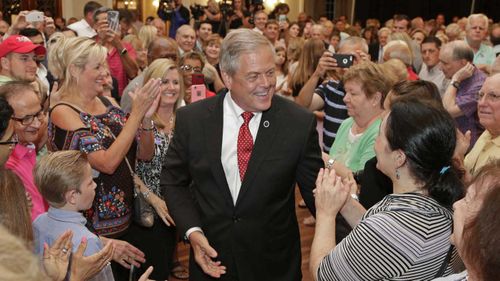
x=143 y=213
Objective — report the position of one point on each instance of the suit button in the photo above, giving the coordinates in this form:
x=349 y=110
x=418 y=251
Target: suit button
x=236 y=219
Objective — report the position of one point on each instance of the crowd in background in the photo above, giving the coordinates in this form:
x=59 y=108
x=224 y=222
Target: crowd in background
x=408 y=116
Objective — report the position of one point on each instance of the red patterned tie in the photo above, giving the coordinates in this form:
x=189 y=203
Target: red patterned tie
x=245 y=144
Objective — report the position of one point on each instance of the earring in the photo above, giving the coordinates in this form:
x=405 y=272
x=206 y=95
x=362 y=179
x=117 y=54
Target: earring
x=397 y=174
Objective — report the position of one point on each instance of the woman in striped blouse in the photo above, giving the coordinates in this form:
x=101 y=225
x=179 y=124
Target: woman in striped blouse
x=406 y=235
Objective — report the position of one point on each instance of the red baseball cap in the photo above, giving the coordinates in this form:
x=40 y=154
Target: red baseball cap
x=21 y=45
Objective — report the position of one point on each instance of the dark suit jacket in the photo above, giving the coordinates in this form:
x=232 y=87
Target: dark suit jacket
x=373 y=50
x=258 y=238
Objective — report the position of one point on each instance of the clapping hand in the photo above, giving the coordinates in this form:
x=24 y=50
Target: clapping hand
x=330 y=193
x=204 y=253
x=56 y=257
x=145 y=100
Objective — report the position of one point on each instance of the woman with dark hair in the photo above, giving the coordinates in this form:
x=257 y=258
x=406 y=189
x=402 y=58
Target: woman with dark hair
x=406 y=235
x=375 y=185
x=6 y=131
x=476 y=227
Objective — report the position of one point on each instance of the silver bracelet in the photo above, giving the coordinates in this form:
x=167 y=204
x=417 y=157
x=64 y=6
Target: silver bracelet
x=146 y=194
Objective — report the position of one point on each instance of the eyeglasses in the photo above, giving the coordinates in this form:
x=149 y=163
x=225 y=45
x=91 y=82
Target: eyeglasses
x=188 y=67
x=28 y=119
x=490 y=97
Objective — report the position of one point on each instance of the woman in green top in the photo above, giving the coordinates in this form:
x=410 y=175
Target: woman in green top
x=366 y=86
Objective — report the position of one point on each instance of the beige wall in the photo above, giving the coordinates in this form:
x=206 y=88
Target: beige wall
x=72 y=8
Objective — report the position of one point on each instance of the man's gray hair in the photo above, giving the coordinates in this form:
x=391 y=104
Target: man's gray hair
x=238 y=42
x=354 y=41
x=398 y=49
x=477 y=16
x=459 y=50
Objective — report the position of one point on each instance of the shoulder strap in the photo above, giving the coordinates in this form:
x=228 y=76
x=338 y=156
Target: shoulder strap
x=74 y=107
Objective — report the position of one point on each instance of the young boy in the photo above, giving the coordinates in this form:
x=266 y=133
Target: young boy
x=64 y=179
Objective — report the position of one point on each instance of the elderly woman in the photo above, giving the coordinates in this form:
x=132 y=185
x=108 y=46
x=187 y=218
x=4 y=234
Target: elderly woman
x=158 y=242
x=476 y=227
x=365 y=89
x=406 y=235
x=192 y=63
x=487 y=147
x=83 y=120
x=375 y=185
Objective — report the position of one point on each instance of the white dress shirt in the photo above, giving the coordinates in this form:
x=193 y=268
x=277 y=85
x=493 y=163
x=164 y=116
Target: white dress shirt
x=231 y=127
x=231 y=124
x=83 y=29
x=434 y=75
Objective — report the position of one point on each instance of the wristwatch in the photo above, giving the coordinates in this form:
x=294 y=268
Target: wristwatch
x=455 y=84
x=123 y=51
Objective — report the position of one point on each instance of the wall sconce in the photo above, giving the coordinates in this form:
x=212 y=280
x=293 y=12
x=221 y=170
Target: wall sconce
x=270 y=4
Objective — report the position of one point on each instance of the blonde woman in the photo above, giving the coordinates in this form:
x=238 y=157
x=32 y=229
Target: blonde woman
x=308 y=60
x=147 y=34
x=83 y=120
x=140 y=50
x=159 y=241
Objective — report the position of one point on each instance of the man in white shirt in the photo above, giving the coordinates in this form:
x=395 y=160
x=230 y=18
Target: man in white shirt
x=431 y=70
x=84 y=27
x=233 y=200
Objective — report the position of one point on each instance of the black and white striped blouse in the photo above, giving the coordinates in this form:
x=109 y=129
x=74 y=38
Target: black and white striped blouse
x=403 y=237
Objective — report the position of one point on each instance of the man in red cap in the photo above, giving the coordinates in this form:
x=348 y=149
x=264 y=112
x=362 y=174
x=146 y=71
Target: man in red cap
x=17 y=59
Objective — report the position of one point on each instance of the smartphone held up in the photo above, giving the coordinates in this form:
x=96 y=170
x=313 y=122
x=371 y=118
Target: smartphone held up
x=343 y=61
x=114 y=20
x=198 y=88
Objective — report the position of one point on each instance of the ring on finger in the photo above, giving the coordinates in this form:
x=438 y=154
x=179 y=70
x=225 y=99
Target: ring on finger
x=64 y=250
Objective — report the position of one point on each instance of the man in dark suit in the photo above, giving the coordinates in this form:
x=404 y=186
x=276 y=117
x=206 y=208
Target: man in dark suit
x=231 y=169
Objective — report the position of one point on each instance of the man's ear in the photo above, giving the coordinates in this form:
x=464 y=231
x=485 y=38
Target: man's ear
x=227 y=79
x=5 y=63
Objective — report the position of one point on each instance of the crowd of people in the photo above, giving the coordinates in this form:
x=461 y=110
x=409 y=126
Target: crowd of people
x=208 y=119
